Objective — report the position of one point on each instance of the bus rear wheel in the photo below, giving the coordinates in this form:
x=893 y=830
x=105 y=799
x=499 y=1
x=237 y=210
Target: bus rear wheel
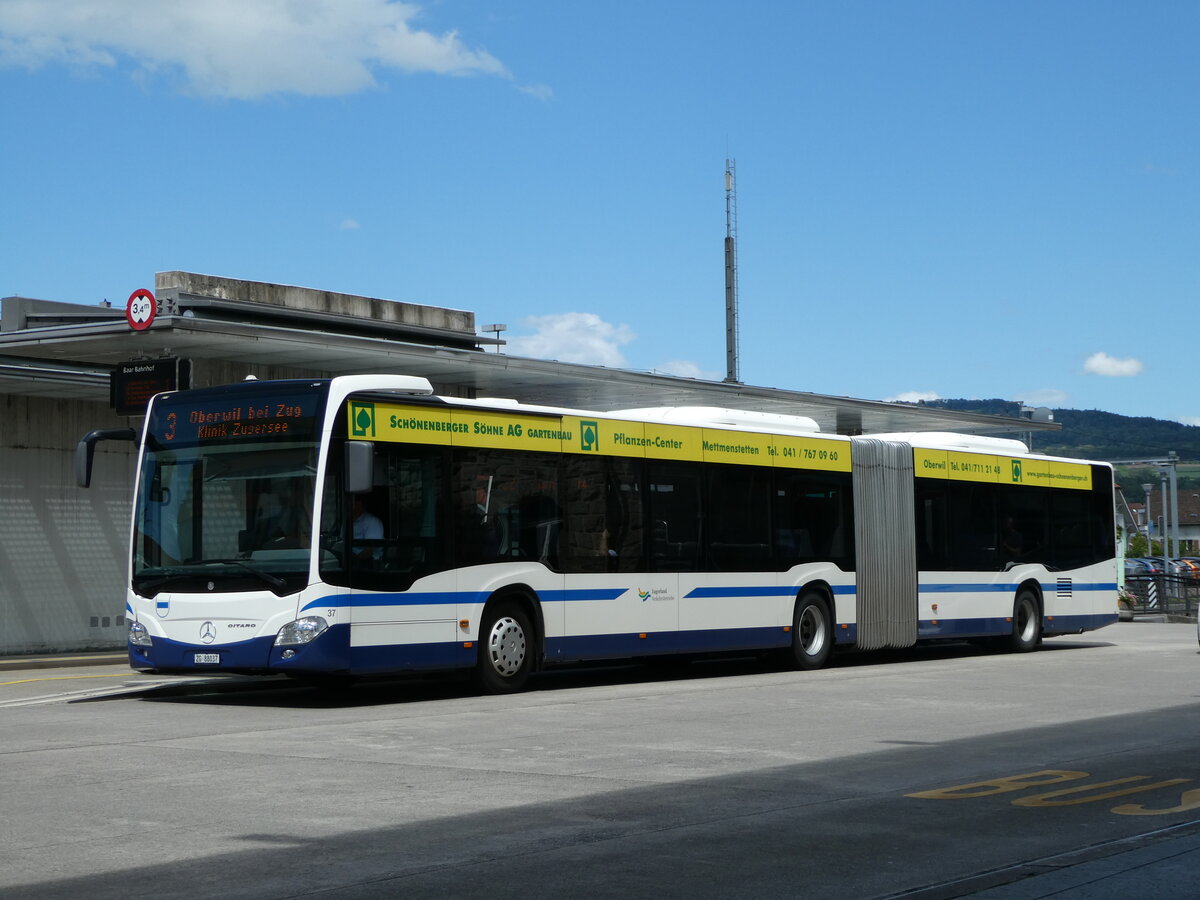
x=1026 y=622
x=812 y=632
x=506 y=649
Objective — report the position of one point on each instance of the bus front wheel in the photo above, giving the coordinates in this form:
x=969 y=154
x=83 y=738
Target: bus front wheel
x=1026 y=622
x=506 y=649
x=812 y=632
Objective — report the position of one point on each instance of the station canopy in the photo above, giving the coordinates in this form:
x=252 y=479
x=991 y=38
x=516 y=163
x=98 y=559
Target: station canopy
x=67 y=351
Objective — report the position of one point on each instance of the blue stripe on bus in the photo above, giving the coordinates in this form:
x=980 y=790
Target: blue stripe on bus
x=1049 y=587
x=453 y=598
x=757 y=591
x=577 y=594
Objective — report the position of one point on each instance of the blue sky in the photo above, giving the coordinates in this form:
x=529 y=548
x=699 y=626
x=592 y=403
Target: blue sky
x=951 y=199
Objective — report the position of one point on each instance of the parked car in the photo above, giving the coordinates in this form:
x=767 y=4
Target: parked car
x=1150 y=565
x=1184 y=568
x=1136 y=567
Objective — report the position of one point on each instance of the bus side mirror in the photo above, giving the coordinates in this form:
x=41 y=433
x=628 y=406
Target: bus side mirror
x=360 y=467
x=85 y=451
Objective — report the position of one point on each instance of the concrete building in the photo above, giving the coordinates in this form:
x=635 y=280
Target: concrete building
x=64 y=551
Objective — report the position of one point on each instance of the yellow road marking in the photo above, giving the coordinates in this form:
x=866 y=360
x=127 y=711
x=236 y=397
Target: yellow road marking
x=64 y=678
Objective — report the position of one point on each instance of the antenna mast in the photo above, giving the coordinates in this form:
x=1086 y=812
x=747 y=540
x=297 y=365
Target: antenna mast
x=731 y=274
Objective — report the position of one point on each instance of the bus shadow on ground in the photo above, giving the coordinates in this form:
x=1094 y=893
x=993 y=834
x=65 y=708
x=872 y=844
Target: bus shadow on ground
x=331 y=693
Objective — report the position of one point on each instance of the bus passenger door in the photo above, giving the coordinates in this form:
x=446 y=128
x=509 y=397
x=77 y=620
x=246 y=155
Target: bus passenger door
x=620 y=601
x=404 y=592
x=675 y=542
x=736 y=591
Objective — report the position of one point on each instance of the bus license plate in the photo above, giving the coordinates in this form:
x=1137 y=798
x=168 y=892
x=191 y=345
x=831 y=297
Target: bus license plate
x=210 y=658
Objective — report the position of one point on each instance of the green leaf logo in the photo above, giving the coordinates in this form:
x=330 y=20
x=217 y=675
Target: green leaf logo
x=589 y=436
x=362 y=420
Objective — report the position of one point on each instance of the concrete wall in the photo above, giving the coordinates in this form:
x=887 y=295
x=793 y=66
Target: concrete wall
x=63 y=550
x=315 y=300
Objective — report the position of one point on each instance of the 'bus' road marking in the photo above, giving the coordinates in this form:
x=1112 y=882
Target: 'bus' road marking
x=1073 y=796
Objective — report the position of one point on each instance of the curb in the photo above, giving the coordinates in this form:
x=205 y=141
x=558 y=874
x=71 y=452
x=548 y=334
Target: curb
x=65 y=660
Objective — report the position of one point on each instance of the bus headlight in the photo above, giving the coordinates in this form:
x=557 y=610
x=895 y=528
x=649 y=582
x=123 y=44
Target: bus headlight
x=301 y=631
x=138 y=635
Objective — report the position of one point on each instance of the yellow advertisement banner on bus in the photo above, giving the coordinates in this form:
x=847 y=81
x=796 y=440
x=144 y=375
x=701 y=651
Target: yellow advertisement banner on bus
x=789 y=452
x=737 y=447
x=959 y=466
x=515 y=430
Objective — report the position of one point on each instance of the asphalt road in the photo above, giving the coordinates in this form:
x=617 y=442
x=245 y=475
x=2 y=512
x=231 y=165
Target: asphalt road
x=1073 y=771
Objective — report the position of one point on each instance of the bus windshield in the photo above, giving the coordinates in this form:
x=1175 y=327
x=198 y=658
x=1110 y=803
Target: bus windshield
x=225 y=495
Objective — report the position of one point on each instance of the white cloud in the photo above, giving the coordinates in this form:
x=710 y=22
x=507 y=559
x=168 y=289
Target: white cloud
x=542 y=92
x=913 y=397
x=1103 y=364
x=573 y=337
x=237 y=48
x=1190 y=420
x=349 y=225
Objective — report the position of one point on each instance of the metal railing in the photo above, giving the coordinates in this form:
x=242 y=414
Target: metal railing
x=1163 y=594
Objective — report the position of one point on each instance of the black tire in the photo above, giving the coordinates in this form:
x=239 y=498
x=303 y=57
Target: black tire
x=812 y=632
x=507 y=648
x=1026 y=622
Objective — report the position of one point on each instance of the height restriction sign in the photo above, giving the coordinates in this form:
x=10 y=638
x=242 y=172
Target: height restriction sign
x=141 y=309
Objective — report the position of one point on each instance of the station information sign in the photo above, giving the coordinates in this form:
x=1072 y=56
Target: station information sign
x=133 y=383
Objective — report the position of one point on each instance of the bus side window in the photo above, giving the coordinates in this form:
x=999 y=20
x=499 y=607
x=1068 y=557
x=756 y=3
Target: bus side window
x=506 y=506
x=933 y=551
x=411 y=512
x=602 y=526
x=812 y=519
x=973 y=531
x=1023 y=523
x=739 y=519
x=674 y=501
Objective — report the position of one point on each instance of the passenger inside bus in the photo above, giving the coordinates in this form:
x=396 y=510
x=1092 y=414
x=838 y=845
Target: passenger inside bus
x=1011 y=542
x=367 y=527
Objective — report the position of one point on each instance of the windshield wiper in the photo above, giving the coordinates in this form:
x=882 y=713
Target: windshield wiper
x=155 y=583
x=269 y=579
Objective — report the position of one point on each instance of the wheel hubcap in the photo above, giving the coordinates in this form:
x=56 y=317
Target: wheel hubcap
x=812 y=631
x=1026 y=622
x=506 y=646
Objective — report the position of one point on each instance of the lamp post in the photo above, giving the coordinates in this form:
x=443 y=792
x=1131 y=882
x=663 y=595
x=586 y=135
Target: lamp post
x=1165 y=534
x=496 y=329
x=1149 y=489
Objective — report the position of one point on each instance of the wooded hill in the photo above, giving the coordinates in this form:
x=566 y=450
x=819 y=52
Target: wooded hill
x=1092 y=434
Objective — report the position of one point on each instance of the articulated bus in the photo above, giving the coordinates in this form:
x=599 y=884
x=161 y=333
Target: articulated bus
x=360 y=525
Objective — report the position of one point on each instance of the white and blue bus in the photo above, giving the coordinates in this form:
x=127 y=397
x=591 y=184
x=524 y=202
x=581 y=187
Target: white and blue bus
x=360 y=525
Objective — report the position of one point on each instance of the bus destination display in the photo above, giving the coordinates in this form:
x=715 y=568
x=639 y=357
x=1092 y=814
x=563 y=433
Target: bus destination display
x=228 y=420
